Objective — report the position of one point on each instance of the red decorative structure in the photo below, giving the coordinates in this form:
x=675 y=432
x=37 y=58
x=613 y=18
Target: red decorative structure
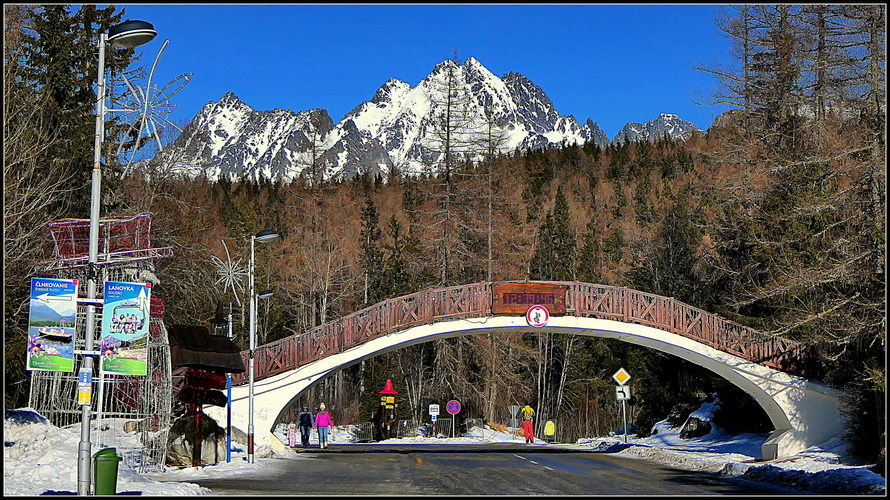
x=387 y=388
x=125 y=253
x=122 y=239
x=386 y=417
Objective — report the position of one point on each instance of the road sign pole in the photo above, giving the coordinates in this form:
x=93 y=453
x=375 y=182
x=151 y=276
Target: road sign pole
x=621 y=377
x=453 y=407
x=434 y=414
x=624 y=413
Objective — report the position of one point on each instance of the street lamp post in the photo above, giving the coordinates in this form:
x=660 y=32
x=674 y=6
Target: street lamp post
x=229 y=397
x=219 y=323
x=127 y=34
x=263 y=236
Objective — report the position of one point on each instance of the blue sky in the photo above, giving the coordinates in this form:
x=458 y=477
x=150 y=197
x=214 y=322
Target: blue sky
x=612 y=63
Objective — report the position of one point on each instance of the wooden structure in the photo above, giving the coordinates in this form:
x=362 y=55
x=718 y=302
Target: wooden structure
x=488 y=299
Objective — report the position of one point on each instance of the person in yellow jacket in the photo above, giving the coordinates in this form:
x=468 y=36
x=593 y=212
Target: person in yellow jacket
x=527 y=427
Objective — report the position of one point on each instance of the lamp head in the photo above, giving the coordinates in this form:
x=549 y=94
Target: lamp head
x=130 y=33
x=265 y=294
x=266 y=235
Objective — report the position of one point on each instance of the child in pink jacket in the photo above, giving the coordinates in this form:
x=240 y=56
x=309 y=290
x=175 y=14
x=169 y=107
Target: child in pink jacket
x=322 y=422
x=292 y=435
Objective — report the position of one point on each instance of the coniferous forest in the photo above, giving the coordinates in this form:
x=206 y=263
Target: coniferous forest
x=774 y=218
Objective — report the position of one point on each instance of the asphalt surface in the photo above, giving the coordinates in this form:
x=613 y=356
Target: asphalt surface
x=489 y=469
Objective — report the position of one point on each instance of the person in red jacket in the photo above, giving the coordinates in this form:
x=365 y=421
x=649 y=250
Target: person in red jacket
x=322 y=423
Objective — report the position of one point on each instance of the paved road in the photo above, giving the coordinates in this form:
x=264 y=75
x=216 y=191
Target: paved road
x=491 y=469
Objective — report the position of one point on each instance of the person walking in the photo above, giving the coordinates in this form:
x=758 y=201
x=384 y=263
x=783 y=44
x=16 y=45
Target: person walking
x=322 y=423
x=527 y=427
x=306 y=422
x=292 y=435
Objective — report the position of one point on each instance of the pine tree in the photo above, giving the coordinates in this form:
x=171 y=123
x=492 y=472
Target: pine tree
x=554 y=257
x=671 y=268
x=590 y=257
x=553 y=260
x=396 y=279
x=59 y=60
x=799 y=235
x=372 y=255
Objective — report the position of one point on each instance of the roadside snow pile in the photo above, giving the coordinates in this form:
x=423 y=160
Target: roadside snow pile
x=40 y=458
x=828 y=482
x=823 y=469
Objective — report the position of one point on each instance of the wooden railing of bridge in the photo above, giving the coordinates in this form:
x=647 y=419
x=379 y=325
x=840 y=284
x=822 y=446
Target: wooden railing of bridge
x=475 y=300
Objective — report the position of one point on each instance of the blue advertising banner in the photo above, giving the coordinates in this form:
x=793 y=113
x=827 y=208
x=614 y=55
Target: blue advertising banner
x=51 y=324
x=125 y=320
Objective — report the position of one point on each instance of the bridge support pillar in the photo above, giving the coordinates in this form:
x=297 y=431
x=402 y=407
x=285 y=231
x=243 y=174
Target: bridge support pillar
x=776 y=444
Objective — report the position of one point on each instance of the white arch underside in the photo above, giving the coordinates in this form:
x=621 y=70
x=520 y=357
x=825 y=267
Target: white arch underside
x=802 y=411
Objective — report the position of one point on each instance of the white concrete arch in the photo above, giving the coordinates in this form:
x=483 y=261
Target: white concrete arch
x=803 y=412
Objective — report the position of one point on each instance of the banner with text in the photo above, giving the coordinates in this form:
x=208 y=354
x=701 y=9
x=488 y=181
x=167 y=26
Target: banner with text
x=51 y=324
x=125 y=320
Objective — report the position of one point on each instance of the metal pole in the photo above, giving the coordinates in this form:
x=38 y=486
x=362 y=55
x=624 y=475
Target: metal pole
x=250 y=362
x=624 y=414
x=98 y=412
x=83 y=447
x=229 y=401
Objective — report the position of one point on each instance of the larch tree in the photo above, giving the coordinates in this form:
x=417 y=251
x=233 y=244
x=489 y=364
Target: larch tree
x=553 y=260
x=800 y=241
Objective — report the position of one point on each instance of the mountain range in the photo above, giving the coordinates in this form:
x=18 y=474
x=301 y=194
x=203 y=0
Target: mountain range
x=399 y=129
x=41 y=311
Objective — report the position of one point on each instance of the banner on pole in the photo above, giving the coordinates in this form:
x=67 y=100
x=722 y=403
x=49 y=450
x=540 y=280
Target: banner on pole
x=51 y=325
x=125 y=320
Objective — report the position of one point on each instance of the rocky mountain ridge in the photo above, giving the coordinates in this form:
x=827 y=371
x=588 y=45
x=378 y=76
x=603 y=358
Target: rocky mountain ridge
x=399 y=129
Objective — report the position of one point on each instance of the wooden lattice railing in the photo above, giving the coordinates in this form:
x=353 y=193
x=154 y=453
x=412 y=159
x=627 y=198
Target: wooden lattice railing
x=473 y=301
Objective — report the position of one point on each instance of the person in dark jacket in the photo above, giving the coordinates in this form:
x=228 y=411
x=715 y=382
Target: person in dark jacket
x=306 y=423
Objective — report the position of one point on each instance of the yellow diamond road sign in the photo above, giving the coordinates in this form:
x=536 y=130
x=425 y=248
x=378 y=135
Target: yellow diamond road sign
x=621 y=376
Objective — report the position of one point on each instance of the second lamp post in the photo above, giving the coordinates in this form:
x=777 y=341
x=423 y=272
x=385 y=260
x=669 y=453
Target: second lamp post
x=263 y=236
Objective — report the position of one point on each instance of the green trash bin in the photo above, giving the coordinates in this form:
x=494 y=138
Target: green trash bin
x=105 y=471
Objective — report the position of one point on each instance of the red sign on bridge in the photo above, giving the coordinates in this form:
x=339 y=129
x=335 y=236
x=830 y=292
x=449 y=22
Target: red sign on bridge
x=516 y=298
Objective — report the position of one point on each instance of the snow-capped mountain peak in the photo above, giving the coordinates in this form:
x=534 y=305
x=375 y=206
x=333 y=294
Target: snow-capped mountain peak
x=666 y=124
x=397 y=127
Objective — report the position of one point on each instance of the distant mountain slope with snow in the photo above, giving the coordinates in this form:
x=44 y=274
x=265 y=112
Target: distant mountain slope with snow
x=396 y=129
x=665 y=125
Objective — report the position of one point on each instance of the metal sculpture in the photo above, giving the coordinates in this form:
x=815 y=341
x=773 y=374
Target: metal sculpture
x=231 y=273
x=145 y=107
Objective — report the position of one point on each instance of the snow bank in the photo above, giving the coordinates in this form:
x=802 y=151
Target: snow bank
x=40 y=458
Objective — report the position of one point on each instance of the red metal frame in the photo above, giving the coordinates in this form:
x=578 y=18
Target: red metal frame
x=122 y=239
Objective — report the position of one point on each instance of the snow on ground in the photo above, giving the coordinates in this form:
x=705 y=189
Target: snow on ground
x=39 y=458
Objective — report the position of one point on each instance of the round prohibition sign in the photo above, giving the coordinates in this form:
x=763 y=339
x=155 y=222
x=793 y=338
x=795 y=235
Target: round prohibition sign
x=537 y=316
x=453 y=407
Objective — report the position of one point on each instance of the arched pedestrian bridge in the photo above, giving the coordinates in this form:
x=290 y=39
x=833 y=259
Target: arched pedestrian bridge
x=803 y=412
